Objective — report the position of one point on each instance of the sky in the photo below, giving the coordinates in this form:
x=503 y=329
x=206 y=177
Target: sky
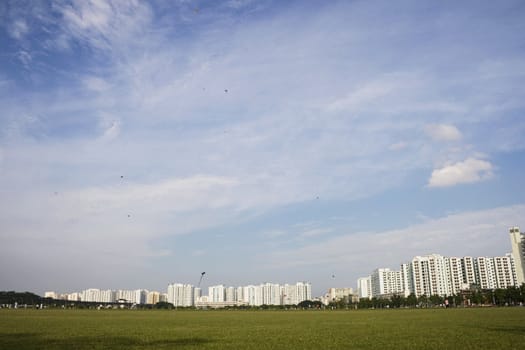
x=144 y=142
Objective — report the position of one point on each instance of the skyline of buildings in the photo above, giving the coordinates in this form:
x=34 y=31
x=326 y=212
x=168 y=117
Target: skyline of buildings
x=434 y=274
x=431 y=274
x=187 y=295
x=517 y=240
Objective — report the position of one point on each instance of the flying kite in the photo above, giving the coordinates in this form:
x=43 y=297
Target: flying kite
x=202 y=275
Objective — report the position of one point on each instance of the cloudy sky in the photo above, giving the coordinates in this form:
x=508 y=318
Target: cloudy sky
x=142 y=143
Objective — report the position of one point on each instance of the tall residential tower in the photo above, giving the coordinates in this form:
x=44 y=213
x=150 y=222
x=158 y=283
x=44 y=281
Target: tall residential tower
x=517 y=241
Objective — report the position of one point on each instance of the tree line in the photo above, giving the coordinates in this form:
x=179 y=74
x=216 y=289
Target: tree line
x=511 y=296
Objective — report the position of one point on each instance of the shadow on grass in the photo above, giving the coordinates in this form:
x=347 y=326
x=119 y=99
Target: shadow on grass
x=39 y=341
x=513 y=329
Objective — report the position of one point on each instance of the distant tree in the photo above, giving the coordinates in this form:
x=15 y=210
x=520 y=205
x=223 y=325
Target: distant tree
x=456 y=300
x=364 y=303
x=21 y=298
x=411 y=300
x=397 y=301
x=514 y=295
x=423 y=300
x=436 y=300
x=163 y=305
x=309 y=304
x=499 y=296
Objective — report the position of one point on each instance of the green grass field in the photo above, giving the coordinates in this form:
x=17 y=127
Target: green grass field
x=488 y=328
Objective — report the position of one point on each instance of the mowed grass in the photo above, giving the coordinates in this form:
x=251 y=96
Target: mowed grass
x=488 y=328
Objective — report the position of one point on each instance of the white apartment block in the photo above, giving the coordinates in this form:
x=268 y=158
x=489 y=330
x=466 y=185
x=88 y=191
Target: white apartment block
x=72 y=296
x=335 y=294
x=504 y=271
x=185 y=295
x=304 y=291
x=469 y=270
x=216 y=294
x=51 y=295
x=427 y=273
x=230 y=294
x=152 y=298
x=181 y=295
x=517 y=240
x=290 y=294
x=364 y=287
x=197 y=294
x=407 y=279
x=386 y=282
x=252 y=295
x=437 y=275
x=455 y=270
x=486 y=274
x=271 y=293
x=126 y=295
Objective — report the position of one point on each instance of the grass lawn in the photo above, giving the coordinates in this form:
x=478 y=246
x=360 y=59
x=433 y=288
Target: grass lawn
x=487 y=328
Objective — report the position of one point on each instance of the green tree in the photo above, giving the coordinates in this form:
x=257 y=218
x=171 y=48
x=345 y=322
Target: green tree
x=163 y=305
x=436 y=300
x=411 y=300
x=423 y=300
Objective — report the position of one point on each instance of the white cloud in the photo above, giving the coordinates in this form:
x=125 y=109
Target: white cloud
x=469 y=171
x=443 y=132
x=112 y=224
x=106 y=25
x=363 y=96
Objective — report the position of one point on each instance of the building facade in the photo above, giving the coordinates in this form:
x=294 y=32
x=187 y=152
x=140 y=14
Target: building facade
x=517 y=240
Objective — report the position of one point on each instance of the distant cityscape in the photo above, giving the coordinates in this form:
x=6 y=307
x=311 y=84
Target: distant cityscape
x=435 y=274
x=187 y=295
x=428 y=275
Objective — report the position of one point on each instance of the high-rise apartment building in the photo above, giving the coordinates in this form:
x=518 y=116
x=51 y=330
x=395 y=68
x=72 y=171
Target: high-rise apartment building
x=517 y=240
x=485 y=273
x=406 y=279
x=364 y=287
x=304 y=291
x=469 y=270
x=152 y=298
x=386 y=282
x=335 y=294
x=271 y=294
x=181 y=294
x=289 y=293
x=430 y=275
x=504 y=271
x=455 y=271
x=252 y=295
x=438 y=275
x=217 y=294
x=230 y=294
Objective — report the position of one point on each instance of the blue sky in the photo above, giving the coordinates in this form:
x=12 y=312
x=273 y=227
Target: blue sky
x=142 y=143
